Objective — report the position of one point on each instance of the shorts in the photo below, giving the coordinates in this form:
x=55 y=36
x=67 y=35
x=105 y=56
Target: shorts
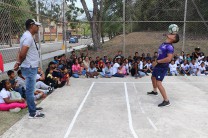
x=159 y=73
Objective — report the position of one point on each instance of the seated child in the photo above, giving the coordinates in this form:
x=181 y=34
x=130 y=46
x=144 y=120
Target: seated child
x=9 y=103
x=173 y=68
x=83 y=71
x=52 y=81
x=107 y=71
x=92 y=71
x=13 y=82
x=202 y=69
x=66 y=76
x=21 y=83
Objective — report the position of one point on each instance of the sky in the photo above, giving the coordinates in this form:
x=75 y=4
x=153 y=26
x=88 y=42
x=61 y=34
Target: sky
x=89 y=4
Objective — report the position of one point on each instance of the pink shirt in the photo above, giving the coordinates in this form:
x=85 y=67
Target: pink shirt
x=123 y=70
x=76 y=68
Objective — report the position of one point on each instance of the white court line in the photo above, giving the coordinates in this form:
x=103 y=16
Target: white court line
x=110 y=82
x=151 y=82
x=152 y=124
x=150 y=121
x=78 y=111
x=139 y=100
x=129 y=113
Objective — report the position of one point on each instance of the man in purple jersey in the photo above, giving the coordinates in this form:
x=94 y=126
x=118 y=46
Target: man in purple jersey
x=165 y=55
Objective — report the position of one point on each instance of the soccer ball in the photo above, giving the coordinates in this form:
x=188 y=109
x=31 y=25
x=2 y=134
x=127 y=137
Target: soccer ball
x=173 y=29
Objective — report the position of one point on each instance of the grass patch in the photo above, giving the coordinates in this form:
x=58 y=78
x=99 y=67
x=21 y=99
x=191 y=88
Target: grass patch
x=8 y=119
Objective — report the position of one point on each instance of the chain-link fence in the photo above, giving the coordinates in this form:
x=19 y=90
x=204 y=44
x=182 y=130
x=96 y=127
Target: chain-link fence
x=127 y=25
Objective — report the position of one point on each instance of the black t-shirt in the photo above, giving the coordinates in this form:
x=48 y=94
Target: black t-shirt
x=136 y=58
x=195 y=55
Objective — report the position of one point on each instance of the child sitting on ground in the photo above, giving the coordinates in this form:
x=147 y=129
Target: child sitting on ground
x=173 y=68
x=92 y=71
x=8 y=101
x=14 y=84
x=66 y=76
x=50 y=80
x=83 y=71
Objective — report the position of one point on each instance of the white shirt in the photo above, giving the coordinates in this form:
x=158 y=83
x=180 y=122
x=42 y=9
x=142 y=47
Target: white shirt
x=201 y=69
x=149 y=65
x=180 y=58
x=115 y=68
x=38 y=77
x=177 y=62
x=91 y=70
x=4 y=94
x=20 y=82
x=107 y=70
x=194 y=67
x=140 y=65
x=173 y=67
x=32 y=58
x=185 y=67
x=206 y=63
x=200 y=58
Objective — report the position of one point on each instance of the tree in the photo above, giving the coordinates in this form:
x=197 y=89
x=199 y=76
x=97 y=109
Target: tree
x=94 y=20
x=72 y=13
x=112 y=12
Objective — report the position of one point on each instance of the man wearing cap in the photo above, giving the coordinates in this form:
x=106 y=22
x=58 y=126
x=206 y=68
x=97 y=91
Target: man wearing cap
x=28 y=59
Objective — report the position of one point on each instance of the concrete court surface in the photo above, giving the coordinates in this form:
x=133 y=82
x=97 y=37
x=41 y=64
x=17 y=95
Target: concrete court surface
x=120 y=108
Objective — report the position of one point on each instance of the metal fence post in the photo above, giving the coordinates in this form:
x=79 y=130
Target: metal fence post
x=124 y=28
x=64 y=28
x=38 y=19
x=184 y=26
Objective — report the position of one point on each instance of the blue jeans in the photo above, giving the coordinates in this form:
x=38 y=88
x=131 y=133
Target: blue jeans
x=30 y=80
x=84 y=72
x=105 y=75
x=75 y=75
x=141 y=74
x=118 y=75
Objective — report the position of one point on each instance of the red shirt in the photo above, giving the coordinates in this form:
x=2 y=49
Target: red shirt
x=1 y=63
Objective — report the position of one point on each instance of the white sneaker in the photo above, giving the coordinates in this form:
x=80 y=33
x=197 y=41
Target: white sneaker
x=15 y=110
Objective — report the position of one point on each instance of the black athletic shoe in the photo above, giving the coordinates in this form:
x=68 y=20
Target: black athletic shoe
x=164 y=103
x=36 y=116
x=39 y=108
x=152 y=93
x=51 y=89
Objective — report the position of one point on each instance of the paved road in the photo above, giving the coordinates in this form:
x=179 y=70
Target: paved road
x=10 y=54
x=48 y=51
x=120 y=108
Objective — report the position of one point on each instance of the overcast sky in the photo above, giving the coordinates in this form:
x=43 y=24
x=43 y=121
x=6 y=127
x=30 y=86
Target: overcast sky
x=89 y=4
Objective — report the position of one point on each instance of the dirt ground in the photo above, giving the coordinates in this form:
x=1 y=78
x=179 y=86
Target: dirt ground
x=146 y=42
